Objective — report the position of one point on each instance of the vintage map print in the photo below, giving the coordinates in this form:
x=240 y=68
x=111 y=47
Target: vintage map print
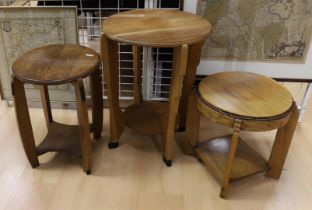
x=274 y=30
x=25 y=28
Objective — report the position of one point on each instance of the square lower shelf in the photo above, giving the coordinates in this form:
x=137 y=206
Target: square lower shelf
x=214 y=155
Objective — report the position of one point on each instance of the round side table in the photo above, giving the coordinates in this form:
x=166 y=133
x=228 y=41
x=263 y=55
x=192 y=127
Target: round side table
x=55 y=65
x=182 y=31
x=243 y=101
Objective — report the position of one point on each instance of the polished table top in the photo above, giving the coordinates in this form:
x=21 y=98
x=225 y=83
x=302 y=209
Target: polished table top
x=245 y=94
x=156 y=28
x=55 y=64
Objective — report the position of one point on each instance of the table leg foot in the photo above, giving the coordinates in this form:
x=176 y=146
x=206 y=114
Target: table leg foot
x=88 y=172
x=113 y=145
x=96 y=136
x=168 y=162
x=223 y=193
x=34 y=165
x=181 y=129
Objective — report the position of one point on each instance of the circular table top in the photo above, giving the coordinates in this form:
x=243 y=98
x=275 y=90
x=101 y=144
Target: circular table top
x=55 y=64
x=156 y=28
x=246 y=95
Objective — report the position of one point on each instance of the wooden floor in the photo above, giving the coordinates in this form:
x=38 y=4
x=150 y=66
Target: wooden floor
x=134 y=176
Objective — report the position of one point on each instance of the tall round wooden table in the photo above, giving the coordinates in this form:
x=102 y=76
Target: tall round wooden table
x=159 y=28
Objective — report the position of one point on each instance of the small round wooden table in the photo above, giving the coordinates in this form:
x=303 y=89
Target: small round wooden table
x=242 y=101
x=55 y=65
x=182 y=31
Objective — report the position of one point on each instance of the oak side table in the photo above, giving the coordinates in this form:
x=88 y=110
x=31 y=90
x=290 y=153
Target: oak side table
x=159 y=28
x=54 y=65
x=244 y=102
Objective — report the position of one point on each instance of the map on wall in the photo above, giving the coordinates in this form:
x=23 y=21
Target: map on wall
x=26 y=28
x=273 y=30
x=18 y=32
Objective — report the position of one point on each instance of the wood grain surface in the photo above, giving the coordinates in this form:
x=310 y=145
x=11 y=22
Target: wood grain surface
x=148 y=117
x=156 y=27
x=241 y=101
x=245 y=94
x=55 y=64
x=133 y=177
x=246 y=161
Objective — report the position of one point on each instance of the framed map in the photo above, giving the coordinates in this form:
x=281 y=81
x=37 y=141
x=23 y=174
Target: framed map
x=25 y=28
x=259 y=30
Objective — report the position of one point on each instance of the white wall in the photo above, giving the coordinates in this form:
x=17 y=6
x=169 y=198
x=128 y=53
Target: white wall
x=277 y=70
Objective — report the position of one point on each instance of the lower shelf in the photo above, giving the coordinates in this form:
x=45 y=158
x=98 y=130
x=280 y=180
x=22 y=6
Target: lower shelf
x=148 y=117
x=214 y=154
x=60 y=137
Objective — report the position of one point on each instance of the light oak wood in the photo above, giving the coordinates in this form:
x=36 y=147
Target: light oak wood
x=156 y=28
x=227 y=90
x=61 y=137
x=137 y=80
x=148 y=117
x=179 y=69
x=55 y=64
x=243 y=101
x=109 y=56
x=132 y=177
x=152 y=28
x=230 y=158
x=281 y=145
x=192 y=123
x=190 y=76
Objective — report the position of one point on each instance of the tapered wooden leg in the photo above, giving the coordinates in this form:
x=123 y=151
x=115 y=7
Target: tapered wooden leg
x=230 y=158
x=193 y=61
x=281 y=145
x=180 y=61
x=137 y=80
x=45 y=100
x=84 y=128
x=117 y=123
x=192 y=125
x=23 y=122
x=97 y=103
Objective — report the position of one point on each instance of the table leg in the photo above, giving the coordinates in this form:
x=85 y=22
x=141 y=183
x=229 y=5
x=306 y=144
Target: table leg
x=230 y=158
x=97 y=103
x=109 y=50
x=45 y=99
x=137 y=80
x=190 y=76
x=84 y=128
x=180 y=61
x=281 y=145
x=24 y=123
x=192 y=125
